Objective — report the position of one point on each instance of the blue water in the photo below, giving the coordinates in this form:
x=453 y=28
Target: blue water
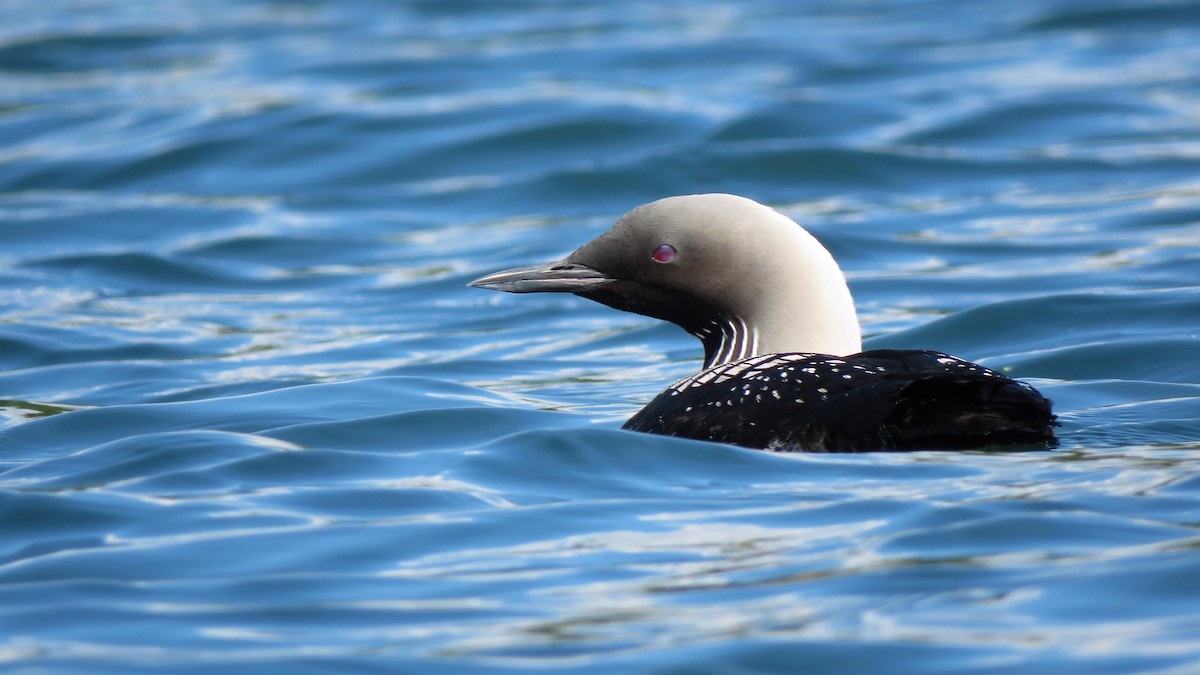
x=254 y=420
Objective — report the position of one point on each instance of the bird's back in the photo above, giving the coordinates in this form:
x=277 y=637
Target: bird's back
x=876 y=400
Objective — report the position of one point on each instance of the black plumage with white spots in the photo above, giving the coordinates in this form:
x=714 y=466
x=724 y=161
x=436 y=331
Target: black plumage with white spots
x=877 y=400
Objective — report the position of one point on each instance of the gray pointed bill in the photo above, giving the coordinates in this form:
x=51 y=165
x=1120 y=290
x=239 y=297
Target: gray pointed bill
x=552 y=277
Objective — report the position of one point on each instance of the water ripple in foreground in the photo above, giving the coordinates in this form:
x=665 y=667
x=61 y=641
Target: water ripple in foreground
x=251 y=417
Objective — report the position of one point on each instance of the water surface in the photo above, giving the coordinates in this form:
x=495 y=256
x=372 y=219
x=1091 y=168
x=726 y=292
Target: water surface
x=253 y=418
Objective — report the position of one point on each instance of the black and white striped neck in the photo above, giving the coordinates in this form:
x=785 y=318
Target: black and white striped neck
x=727 y=339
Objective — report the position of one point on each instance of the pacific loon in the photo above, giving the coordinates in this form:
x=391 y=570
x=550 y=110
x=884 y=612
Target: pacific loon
x=783 y=362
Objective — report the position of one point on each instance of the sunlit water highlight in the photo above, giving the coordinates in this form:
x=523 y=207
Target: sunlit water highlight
x=251 y=416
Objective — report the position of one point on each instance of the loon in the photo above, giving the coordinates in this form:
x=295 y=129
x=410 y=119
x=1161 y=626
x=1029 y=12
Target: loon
x=783 y=362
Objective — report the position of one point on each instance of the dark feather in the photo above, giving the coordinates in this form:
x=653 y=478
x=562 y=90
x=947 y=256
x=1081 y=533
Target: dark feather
x=878 y=400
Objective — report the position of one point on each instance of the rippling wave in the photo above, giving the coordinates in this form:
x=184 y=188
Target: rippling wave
x=252 y=417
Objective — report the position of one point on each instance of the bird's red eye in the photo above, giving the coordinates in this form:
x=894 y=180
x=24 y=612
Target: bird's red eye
x=664 y=253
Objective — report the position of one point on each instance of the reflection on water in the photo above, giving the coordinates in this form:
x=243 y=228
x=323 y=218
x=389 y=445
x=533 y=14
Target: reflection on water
x=251 y=416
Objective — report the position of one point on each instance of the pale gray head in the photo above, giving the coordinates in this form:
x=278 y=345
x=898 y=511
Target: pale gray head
x=740 y=276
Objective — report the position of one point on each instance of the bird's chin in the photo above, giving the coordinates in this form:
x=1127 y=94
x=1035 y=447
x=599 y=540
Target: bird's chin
x=553 y=277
